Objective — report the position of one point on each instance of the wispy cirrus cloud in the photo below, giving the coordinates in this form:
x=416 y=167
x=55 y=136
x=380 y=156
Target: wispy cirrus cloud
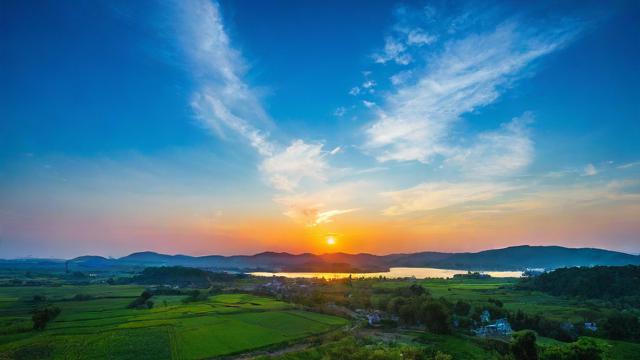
x=312 y=209
x=467 y=67
x=397 y=46
x=505 y=197
x=499 y=152
x=416 y=121
x=438 y=195
x=225 y=102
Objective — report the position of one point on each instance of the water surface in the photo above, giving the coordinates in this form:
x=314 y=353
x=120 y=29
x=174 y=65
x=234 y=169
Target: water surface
x=393 y=273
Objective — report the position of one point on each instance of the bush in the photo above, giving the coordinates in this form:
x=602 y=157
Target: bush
x=82 y=297
x=44 y=315
x=583 y=349
x=194 y=296
x=436 y=317
x=524 y=346
x=622 y=326
x=462 y=308
x=142 y=301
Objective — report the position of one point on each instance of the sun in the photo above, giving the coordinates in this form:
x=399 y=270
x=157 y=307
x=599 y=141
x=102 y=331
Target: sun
x=331 y=240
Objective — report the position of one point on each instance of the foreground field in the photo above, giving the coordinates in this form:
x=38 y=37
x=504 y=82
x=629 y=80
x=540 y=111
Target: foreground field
x=104 y=328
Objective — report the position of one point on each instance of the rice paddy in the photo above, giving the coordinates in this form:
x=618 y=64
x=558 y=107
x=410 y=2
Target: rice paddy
x=103 y=327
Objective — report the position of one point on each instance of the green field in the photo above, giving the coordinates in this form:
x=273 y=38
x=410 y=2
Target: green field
x=104 y=328
x=481 y=290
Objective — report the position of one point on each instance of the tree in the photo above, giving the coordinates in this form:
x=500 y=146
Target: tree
x=436 y=317
x=142 y=301
x=417 y=289
x=43 y=315
x=622 y=326
x=524 y=346
x=462 y=308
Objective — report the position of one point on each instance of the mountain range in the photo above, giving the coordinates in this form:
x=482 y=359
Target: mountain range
x=510 y=258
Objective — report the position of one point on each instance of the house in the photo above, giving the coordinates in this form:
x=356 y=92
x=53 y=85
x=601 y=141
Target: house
x=591 y=326
x=501 y=328
x=374 y=318
x=485 y=317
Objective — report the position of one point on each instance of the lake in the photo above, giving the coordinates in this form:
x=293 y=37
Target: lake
x=393 y=273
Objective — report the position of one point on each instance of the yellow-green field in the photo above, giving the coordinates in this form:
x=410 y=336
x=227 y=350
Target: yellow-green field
x=104 y=328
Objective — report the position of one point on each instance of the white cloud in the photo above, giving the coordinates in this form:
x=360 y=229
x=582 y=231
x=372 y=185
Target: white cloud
x=501 y=197
x=368 y=104
x=437 y=195
x=213 y=112
x=496 y=153
x=354 y=91
x=368 y=84
x=394 y=50
x=629 y=165
x=327 y=216
x=322 y=206
x=590 y=170
x=340 y=111
x=336 y=150
x=287 y=168
x=224 y=101
x=416 y=121
x=401 y=77
x=418 y=37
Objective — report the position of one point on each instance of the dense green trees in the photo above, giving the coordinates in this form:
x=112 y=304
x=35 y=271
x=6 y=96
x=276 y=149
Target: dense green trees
x=524 y=347
x=182 y=276
x=413 y=305
x=622 y=326
x=619 y=284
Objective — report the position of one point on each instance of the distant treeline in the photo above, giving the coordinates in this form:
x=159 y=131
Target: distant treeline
x=612 y=283
x=182 y=276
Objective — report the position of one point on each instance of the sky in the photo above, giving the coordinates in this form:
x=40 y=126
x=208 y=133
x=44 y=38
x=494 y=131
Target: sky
x=236 y=127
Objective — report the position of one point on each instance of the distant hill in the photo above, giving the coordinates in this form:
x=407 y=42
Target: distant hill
x=518 y=258
x=510 y=258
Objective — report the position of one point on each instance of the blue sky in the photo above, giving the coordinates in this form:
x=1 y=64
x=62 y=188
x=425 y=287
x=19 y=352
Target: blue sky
x=186 y=126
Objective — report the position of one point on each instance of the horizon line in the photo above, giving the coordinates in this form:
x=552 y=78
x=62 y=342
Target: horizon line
x=323 y=254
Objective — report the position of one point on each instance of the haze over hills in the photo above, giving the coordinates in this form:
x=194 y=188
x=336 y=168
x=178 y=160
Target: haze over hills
x=510 y=258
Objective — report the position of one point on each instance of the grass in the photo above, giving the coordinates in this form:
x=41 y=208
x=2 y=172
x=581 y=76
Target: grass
x=618 y=350
x=460 y=347
x=103 y=327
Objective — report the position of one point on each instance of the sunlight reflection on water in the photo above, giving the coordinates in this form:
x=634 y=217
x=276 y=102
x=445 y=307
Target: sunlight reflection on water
x=396 y=272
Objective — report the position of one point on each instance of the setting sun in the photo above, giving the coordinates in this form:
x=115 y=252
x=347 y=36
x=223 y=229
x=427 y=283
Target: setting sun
x=331 y=240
